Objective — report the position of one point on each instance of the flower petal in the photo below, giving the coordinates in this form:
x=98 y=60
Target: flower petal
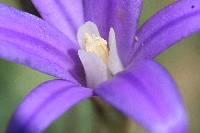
x=66 y=15
x=122 y=15
x=28 y=40
x=45 y=104
x=173 y=23
x=146 y=93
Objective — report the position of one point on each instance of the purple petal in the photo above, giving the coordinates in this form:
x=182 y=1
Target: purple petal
x=28 y=40
x=146 y=93
x=122 y=15
x=173 y=23
x=45 y=104
x=66 y=15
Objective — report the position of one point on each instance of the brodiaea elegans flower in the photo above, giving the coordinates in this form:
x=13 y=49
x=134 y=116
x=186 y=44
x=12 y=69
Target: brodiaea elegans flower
x=114 y=61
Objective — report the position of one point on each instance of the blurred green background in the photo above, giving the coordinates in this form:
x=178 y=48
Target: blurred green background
x=182 y=60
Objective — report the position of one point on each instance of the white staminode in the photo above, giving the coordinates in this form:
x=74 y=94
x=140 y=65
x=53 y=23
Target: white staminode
x=114 y=63
x=99 y=63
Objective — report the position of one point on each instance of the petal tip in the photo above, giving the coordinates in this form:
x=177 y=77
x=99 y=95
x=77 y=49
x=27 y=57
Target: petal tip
x=178 y=123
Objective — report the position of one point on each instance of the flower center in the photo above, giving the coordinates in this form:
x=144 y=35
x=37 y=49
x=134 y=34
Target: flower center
x=99 y=62
x=97 y=45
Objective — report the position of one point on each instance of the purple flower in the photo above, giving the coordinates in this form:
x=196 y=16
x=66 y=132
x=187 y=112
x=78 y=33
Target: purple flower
x=115 y=63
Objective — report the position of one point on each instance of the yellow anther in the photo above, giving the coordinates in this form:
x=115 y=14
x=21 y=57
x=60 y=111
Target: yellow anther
x=96 y=44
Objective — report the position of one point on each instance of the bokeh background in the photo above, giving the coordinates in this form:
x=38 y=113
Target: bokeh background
x=182 y=61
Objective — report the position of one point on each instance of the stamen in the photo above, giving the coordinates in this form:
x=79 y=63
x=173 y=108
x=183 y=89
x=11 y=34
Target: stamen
x=95 y=69
x=99 y=63
x=97 y=45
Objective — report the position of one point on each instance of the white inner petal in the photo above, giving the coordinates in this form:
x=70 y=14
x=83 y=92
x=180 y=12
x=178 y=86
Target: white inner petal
x=114 y=62
x=99 y=63
x=95 y=69
x=89 y=28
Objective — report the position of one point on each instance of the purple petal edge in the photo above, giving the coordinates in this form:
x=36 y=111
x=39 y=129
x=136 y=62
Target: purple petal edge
x=170 y=25
x=45 y=104
x=29 y=40
x=147 y=94
x=66 y=15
